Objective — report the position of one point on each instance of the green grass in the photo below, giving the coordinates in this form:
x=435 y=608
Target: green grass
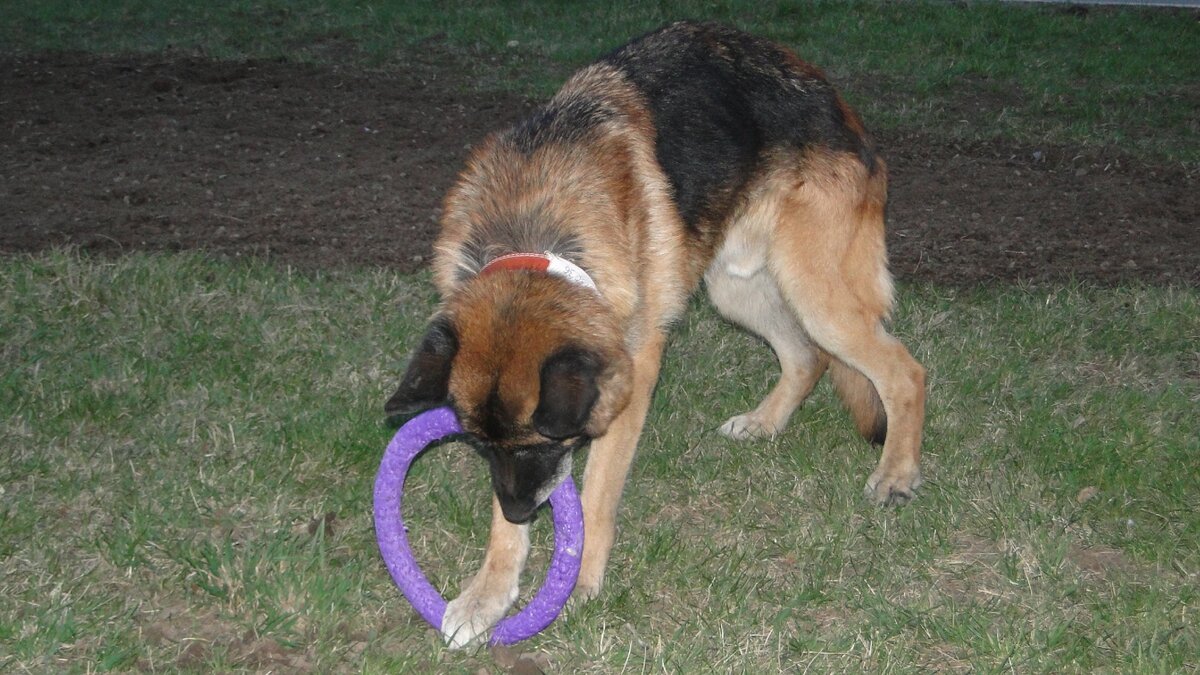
x=1113 y=77
x=177 y=428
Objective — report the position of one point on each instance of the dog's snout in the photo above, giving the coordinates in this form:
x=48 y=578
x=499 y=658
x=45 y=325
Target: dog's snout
x=516 y=496
x=518 y=511
x=523 y=479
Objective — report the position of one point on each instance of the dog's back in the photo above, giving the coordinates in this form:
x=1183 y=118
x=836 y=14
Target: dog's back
x=675 y=128
x=721 y=101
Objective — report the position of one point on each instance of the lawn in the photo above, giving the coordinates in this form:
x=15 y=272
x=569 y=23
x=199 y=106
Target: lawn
x=190 y=448
x=189 y=445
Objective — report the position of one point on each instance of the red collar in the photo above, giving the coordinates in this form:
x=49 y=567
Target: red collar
x=547 y=263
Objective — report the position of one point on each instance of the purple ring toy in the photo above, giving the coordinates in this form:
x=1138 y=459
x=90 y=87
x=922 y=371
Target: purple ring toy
x=408 y=442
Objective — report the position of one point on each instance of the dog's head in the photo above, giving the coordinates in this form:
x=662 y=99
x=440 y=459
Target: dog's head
x=533 y=366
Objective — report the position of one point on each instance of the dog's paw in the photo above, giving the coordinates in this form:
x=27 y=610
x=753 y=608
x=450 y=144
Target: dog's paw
x=748 y=427
x=584 y=591
x=894 y=488
x=471 y=615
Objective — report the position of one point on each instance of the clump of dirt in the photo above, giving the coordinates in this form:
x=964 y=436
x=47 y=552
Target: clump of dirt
x=999 y=212
x=320 y=166
x=311 y=166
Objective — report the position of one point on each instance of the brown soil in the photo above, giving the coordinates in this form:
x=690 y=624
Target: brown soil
x=319 y=166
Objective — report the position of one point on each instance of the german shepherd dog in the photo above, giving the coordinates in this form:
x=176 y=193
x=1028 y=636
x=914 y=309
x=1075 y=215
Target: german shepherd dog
x=571 y=242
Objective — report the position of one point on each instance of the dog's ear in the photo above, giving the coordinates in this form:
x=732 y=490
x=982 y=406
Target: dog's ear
x=569 y=390
x=426 y=382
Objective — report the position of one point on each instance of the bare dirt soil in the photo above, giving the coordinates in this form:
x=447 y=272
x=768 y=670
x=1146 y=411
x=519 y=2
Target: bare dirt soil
x=325 y=166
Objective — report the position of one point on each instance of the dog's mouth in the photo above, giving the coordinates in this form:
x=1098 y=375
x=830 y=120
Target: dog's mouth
x=548 y=487
x=524 y=478
x=518 y=512
x=520 y=507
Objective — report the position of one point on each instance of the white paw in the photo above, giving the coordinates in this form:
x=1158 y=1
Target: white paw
x=471 y=615
x=747 y=427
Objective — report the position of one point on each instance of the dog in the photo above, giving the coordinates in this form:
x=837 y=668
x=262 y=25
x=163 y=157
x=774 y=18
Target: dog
x=571 y=242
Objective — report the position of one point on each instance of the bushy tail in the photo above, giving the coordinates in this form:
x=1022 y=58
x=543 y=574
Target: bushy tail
x=861 y=399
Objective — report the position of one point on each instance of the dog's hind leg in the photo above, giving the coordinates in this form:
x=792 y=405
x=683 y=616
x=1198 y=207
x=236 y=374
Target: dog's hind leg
x=750 y=298
x=828 y=257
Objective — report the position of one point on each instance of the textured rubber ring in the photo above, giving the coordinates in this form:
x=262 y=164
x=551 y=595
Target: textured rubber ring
x=547 y=603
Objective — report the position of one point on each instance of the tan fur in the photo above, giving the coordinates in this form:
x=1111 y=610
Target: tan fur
x=801 y=261
x=861 y=400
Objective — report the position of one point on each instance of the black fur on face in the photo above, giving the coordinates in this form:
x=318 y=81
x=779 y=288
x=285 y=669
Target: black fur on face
x=524 y=476
x=425 y=382
x=569 y=390
x=528 y=459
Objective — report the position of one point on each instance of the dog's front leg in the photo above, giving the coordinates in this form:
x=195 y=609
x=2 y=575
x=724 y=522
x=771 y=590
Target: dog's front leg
x=494 y=589
x=608 y=467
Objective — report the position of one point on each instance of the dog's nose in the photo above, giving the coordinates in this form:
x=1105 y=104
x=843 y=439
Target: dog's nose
x=518 y=512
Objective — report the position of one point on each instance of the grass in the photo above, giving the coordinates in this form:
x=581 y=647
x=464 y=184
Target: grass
x=966 y=71
x=188 y=445
x=179 y=429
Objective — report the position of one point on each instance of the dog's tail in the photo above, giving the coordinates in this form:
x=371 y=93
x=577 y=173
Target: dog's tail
x=860 y=397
